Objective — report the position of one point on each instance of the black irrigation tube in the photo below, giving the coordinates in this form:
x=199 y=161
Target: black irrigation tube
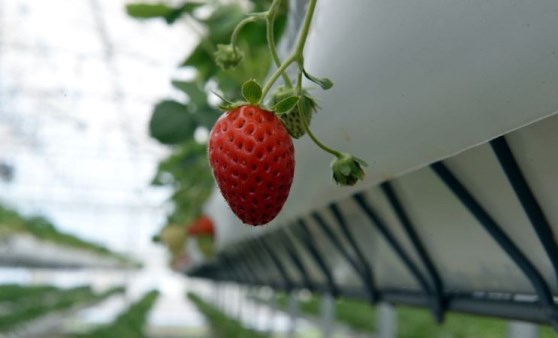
x=366 y=267
x=363 y=269
x=527 y=199
x=308 y=243
x=291 y=252
x=438 y=306
x=490 y=225
x=381 y=226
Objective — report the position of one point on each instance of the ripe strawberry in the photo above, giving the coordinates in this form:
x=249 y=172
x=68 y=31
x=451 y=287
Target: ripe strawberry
x=252 y=157
x=202 y=226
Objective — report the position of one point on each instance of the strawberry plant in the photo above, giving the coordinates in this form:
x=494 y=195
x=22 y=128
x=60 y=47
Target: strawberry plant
x=250 y=150
x=174 y=122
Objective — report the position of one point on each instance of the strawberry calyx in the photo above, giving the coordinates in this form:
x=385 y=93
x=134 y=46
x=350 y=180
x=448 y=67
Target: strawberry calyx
x=228 y=56
x=347 y=169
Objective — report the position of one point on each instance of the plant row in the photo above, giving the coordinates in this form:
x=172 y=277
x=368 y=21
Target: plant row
x=411 y=322
x=222 y=325
x=15 y=311
x=130 y=323
x=12 y=222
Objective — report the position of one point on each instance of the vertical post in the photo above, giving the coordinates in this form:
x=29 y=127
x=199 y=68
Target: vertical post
x=293 y=313
x=522 y=330
x=386 y=321
x=273 y=306
x=328 y=315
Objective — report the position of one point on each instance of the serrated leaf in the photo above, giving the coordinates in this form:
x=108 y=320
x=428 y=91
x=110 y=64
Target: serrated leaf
x=252 y=91
x=286 y=105
x=194 y=92
x=325 y=83
x=171 y=123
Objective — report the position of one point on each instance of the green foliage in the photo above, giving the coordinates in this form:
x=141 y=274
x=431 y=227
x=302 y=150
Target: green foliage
x=187 y=172
x=129 y=324
x=222 y=325
x=12 y=222
x=159 y=10
x=412 y=322
x=20 y=304
x=174 y=123
x=171 y=123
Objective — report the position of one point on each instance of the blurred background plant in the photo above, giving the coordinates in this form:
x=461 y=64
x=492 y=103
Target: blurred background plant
x=183 y=123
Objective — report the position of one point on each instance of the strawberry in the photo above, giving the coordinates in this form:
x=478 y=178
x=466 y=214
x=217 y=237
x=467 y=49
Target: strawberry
x=202 y=226
x=292 y=119
x=252 y=158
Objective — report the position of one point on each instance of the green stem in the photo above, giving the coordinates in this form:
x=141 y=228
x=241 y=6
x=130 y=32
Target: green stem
x=270 y=20
x=299 y=49
x=241 y=25
x=296 y=55
x=303 y=117
x=276 y=75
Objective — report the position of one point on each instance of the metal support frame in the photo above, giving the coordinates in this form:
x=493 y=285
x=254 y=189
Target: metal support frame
x=308 y=243
x=250 y=262
x=527 y=199
x=490 y=225
x=390 y=238
x=277 y=263
x=437 y=292
x=291 y=252
x=365 y=265
x=359 y=267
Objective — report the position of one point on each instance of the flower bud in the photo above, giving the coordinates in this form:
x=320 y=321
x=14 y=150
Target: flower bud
x=228 y=56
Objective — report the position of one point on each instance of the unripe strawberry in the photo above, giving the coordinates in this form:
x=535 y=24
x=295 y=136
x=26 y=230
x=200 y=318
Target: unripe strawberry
x=252 y=158
x=292 y=119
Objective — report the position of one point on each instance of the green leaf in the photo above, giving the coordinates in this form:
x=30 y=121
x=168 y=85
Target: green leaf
x=252 y=91
x=148 y=11
x=325 y=83
x=159 y=10
x=193 y=90
x=171 y=123
x=286 y=105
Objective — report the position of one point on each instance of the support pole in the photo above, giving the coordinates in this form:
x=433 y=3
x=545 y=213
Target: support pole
x=386 y=321
x=522 y=330
x=328 y=315
x=293 y=314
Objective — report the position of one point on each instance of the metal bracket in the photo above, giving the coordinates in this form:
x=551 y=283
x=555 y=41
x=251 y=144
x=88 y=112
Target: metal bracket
x=360 y=269
x=306 y=238
x=277 y=263
x=291 y=252
x=381 y=226
x=438 y=303
x=527 y=199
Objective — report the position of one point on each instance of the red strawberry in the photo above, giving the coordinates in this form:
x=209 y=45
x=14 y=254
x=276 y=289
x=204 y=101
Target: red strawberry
x=201 y=226
x=252 y=157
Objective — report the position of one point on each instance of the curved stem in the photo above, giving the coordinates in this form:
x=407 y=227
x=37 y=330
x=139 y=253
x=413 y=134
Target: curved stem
x=270 y=20
x=303 y=117
x=240 y=25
